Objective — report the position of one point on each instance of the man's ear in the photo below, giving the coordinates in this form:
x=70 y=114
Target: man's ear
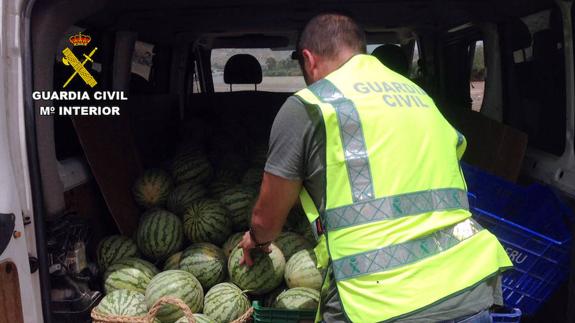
x=309 y=61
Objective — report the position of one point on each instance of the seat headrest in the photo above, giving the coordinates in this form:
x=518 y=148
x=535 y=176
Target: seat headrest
x=242 y=69
x=393 y=57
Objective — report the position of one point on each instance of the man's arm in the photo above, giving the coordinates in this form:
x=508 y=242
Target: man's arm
x=277 y=196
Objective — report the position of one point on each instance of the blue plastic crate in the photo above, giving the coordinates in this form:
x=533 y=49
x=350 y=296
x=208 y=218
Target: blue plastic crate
x=506 y=315
x=532 y=224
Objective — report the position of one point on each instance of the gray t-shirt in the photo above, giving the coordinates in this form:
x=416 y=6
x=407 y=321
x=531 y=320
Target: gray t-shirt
x=296 y=151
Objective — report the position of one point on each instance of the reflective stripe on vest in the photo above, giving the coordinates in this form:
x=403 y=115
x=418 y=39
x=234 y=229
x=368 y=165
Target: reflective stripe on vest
x=395 y=211
x=404 y=253
x=351 y=137
x=392 y=207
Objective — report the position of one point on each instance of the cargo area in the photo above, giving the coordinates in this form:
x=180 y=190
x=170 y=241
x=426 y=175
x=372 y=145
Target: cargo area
x=198 y=86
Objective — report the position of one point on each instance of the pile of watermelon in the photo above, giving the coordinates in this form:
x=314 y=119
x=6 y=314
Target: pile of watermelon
x=194 y=214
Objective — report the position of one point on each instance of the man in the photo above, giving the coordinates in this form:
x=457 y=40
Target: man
x=376 y=167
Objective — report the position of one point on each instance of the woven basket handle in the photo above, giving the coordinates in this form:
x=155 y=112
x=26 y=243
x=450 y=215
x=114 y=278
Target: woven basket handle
x=173 y=301
x=245 y=317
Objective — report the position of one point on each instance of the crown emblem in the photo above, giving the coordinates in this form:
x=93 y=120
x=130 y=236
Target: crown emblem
x=80 y=40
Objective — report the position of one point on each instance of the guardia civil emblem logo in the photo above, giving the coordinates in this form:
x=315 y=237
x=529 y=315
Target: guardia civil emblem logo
x=70 y=59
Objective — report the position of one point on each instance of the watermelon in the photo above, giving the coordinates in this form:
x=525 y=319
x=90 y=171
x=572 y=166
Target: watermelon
x=239 y=201
x=192 y=167
x=207 y=221
x=232 y=242
x=290 y=243
x=177 y=283
x=129 y=273
x=225 y=302
x=230 y=166
x=228 y=175
x=266 y=273
x=114 y=248
x=299 y=298
x=123 y=302
x=205 y=261
x=216 y=188
x=253 y=177
x=159 y=234
x=301 y=270
x=152 y=188
x=173 y=261
x=305 y=229
x=270 y=298
x=182 y=196
x=200 y=318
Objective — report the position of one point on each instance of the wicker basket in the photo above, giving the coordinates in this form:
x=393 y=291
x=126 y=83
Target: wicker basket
x=98 y=317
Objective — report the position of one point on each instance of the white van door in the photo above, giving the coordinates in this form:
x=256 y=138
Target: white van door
x=19 y=287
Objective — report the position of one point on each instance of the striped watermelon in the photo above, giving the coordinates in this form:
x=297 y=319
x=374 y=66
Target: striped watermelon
x=290 y=243
x=304 y=228
x=270 y=298
x=173 y=261
x=200 y=318
x=205 y=261
x=152 y=188
x=177 y=283
x=301 y=270
x=232 y=242
x=129 y=273
x=239 y=201
x=230 y=166
x=216 y=188
x=159 y=234
x=299 y=298
x=123 y=302
x=266 y=273
x=191 y=167
x=114 y=248
x=225 y=302
x=207 y=221
x=253 y=177
x=228 y=175
x=182 y=196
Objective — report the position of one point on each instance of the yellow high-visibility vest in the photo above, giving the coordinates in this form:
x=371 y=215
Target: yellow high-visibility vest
x=398 y=235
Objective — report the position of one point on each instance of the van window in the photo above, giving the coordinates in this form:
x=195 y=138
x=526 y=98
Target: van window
x=416 y=68
x=194 y=79
x=281 y=73
x=142 y=59
x=477 y=75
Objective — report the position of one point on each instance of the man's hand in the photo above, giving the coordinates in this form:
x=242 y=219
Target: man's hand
x=247 y=244
x=276 y=198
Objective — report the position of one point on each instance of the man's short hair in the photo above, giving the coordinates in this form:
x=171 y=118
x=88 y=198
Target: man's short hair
x=325 y=35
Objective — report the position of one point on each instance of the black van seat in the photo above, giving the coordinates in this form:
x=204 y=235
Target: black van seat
x=253 y=110
x=393 y=57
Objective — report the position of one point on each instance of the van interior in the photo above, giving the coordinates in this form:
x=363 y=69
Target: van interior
x=216 y=73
